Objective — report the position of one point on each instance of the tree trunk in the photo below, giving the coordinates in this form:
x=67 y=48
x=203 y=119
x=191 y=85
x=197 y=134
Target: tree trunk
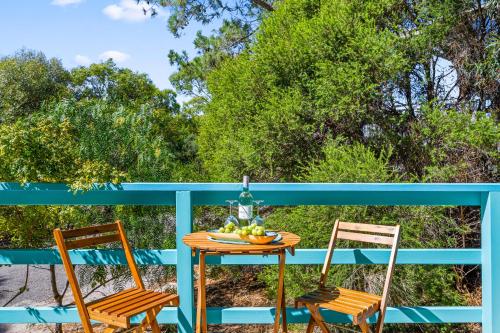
x=57 y=297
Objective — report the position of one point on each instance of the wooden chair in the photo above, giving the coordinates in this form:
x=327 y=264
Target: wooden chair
x=114 y=310
x=360 y=305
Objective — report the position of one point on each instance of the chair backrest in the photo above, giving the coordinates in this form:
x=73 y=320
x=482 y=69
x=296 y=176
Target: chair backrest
x=92 y=236
x=366 y=233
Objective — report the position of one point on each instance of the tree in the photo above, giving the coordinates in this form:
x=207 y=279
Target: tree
x=39 y=149
x=182 y=12
x=28 y=79
x=142 y=142
x=351 y=163
x=314 y=72
x=119 y=86
x=326 y=90
x=363 y=70
x=117 y=126
x=228 y=41
x=240 y=19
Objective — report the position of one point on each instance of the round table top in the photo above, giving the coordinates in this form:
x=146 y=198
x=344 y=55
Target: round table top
x=200 y=241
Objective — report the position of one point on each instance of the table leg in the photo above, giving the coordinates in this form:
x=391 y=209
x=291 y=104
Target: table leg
x=201 y=311
x=281 y=294
x=283 y=309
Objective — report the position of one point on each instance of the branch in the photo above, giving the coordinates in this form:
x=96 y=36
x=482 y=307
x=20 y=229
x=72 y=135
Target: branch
x=263 y=4
x=23 y=288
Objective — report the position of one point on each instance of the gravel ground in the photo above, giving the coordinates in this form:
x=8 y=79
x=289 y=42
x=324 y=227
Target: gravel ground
x=39 y=292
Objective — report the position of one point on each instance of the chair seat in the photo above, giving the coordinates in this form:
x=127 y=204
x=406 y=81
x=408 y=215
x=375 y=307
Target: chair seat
x=117 y=309
x=359 y=304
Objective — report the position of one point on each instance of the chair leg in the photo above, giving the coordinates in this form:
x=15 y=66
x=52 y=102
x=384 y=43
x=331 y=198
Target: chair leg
x=380 y=322
x=150 y=321
x=310 y=326
x=317 y=318
x=154 y=326
x=365 y=328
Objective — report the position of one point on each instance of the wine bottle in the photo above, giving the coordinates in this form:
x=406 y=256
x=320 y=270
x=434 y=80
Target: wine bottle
x=245 y=203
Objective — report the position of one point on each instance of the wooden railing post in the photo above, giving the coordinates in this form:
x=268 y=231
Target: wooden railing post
x=490 y=257
x=184 y=225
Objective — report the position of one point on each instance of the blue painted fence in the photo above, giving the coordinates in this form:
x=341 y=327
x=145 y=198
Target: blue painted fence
x=186 y=196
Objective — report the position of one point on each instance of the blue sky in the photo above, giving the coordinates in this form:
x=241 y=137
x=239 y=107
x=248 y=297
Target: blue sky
x=83 y=31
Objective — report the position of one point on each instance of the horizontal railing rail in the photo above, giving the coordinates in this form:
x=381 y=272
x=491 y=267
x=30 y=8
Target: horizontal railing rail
x=301 y=257
x=257 y=315
x=185 y=196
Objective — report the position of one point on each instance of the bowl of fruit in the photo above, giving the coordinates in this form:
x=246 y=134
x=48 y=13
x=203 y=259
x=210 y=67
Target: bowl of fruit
x=252 y=233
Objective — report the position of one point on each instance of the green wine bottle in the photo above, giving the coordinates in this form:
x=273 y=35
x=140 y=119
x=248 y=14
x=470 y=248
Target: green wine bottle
x=245 y=203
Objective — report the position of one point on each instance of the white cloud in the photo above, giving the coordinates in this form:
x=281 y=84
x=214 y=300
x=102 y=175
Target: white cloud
x=82 y=60
x=63 y=3
x=117 y=56
x=129 y=10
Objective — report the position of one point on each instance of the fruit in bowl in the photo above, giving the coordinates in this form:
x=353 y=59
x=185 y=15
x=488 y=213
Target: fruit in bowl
x=253 y=234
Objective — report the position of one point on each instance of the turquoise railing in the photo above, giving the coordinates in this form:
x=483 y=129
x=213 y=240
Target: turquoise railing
x=186 y=196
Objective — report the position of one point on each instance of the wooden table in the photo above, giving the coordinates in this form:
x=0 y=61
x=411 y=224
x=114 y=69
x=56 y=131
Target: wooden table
x=199 y=242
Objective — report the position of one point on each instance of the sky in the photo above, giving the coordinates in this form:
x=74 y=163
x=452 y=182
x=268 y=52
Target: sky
x=80 y=32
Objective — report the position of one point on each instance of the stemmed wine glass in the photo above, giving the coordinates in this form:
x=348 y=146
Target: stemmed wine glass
x=258 y=220
x=231 y=218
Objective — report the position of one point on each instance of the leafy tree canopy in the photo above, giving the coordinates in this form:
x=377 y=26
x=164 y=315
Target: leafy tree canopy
x=27 y=79
x=314 y=71
x=183 y=12
x=364 y=70
x=119 y=86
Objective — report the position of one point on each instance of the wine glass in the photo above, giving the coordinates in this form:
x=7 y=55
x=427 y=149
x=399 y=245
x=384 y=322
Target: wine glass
x=258 y=220
x=231 y=218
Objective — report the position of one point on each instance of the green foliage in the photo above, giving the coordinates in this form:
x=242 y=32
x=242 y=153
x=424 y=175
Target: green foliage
x=338 y=157
x=113 y=125
x=335 y=91
x=119 y=86
x=145 y=143
x=40 y=149
x=458 y=146
x=229 y=40
x=182 y=12
x=421 y=227
x=27 y=79
x=314 y=71
x=117 y=126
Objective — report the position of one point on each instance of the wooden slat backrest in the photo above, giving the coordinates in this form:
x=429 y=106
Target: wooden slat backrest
x=92 y=241
x=91 y=230
x=365 y=238
x=367 y=233
x=369 y=228
x=91 y=236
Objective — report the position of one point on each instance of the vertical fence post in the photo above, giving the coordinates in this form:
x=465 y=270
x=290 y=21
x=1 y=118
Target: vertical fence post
x=184 y=225
x=490 y=259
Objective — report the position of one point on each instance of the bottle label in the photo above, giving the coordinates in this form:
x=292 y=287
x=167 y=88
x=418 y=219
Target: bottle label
x=245 y=212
